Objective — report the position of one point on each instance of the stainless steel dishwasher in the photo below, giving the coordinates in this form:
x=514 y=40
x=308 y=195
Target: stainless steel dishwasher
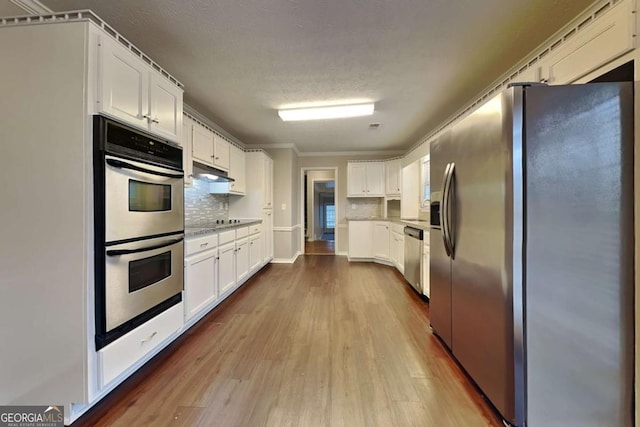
x=413 y=256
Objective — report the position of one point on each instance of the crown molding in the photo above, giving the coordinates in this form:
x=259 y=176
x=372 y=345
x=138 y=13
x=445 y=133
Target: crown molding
x=276 y=146
x=32 y=7
x=390 y=153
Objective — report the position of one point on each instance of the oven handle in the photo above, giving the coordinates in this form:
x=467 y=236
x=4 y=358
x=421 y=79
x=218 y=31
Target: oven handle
x=117 y=252
x=124 y=165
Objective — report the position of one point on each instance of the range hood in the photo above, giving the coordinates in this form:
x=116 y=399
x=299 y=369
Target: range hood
x=209 y=173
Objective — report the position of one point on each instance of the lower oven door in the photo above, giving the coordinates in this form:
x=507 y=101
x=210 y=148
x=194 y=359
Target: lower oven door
x=141 y=199
x=140 y=275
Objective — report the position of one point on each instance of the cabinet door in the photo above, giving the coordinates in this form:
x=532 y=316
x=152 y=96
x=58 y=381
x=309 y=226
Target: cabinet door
x=267 y=232
x=237 y=170
x=357 y=179
x=605 y=39
x=202 y=149
x=255 y=252
x=124 y=84
x=200 y=282
x=360 y=239
x=392 y=174
x=400 y=252
x=268 y=183
x=227 y=267
x=381 y=240
x=221 y=153
x=375 y=179
x=425 y=269
x=242 y=260
x=166 y=108
x=186 y=141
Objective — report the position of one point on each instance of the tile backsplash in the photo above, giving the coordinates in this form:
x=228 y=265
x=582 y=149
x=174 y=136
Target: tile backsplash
x=201 y=208
x=365 y=207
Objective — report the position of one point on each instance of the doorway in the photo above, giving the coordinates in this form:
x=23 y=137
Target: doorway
x=319 y=211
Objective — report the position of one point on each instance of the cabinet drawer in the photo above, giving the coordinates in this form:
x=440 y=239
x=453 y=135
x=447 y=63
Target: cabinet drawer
x=194 y=245
x=123 y=353
x=255 y=228
x=242 y=232
x=397 y=228
x=226 y=237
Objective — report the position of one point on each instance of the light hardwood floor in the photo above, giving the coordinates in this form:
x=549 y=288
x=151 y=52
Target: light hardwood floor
x=322 y=342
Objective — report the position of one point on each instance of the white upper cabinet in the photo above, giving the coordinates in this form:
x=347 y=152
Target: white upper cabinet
x=130 y=90
x=202 y=148
x=366 y=179
x=166 y=108
x=221 y=153
x=237 y=170
x=393 y=174
x=124 y=83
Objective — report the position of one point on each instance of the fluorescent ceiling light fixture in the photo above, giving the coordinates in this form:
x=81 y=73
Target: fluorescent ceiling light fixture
x=330 y=112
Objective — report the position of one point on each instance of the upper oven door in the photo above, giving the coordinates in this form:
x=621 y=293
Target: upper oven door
x=141 y=200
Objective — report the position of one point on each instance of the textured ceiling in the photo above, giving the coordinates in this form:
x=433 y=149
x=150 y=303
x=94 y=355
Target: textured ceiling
x=419 y=60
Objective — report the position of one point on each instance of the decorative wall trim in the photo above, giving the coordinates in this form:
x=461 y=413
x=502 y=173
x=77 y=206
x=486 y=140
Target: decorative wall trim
x=84 y=16
x=203 y=121
x=578 y=24
x=286 y=260
x=286 y=229
x=33 y=7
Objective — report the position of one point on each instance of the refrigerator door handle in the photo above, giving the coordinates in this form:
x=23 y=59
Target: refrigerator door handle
x=450 y=209
x=443 y=210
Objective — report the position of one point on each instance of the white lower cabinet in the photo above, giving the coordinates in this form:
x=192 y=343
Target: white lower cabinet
x=381 y=241
x=255 y=252
x=200 y=281
x=360 y=239
x=125 y=352
x=242 y=260
x=396 y=243
x=227 y=267
x=425 y=267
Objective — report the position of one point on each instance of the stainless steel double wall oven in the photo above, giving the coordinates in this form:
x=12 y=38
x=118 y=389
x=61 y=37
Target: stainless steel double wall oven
x=139 y=227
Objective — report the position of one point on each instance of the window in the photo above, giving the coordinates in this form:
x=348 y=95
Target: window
x=426 y=184
x=330 y=216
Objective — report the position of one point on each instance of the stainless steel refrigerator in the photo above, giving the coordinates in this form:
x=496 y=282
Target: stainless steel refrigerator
x=532 y=248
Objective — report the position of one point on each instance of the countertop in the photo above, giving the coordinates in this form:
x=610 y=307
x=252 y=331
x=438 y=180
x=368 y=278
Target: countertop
x=213 y=228
x=421 y=224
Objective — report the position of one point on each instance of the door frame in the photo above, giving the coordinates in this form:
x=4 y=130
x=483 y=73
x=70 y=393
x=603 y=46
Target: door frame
x=303 y=200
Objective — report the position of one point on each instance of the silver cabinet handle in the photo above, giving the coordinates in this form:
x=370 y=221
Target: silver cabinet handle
x=149 y=338
x=146 y=116
x=155 y=120
x=203 y=245
x=217 y=158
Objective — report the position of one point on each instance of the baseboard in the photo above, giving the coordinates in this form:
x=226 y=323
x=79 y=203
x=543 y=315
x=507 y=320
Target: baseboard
x=342 y=254
x=286 y=260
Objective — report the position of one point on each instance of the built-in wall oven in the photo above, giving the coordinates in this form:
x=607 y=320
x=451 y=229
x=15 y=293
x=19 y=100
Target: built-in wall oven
x=139 y=227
